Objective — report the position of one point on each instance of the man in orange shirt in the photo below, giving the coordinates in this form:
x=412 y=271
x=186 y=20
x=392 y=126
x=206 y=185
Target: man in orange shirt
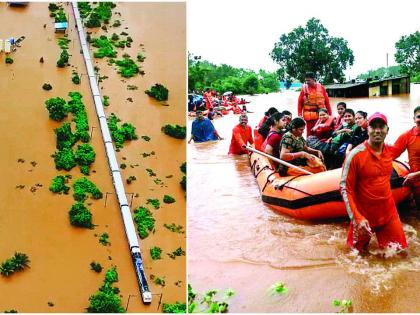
x=241 y=135
x=366 y=191
x=410 y=140
x=312 y=97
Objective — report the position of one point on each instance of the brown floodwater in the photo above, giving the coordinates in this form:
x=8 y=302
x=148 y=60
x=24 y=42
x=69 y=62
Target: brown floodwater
x=36 y=223
x=237 y=242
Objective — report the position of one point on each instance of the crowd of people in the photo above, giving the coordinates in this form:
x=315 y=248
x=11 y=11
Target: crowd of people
x=213 y=105
x=351 y=141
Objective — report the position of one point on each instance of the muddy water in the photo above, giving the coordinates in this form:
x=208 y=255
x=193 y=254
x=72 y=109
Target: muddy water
x=237 y=242
x=36 y=223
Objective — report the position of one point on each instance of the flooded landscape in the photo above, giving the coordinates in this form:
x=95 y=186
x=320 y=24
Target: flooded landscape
x=35 y=221
x=237 y=242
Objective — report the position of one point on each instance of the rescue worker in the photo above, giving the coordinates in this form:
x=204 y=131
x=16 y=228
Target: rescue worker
x=410 y=140
x=312 y=97
x=241 y=136
x=366 y=191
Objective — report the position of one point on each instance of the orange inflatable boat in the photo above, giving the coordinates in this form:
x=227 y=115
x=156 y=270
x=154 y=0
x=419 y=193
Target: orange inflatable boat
x=312 y=197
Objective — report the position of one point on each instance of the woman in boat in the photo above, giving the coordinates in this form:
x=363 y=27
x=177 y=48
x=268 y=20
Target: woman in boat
x=341 y=138
x=322 y=131
x=341 y=107
x=271 y=144
x=360 y=133
x=295 y=151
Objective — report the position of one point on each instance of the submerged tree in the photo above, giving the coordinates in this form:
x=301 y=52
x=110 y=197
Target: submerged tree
x=311 y=48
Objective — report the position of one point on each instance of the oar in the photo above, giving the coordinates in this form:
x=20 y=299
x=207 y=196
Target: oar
x=249 y=148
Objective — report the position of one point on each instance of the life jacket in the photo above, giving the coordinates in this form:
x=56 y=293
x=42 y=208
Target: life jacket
x=313 y=101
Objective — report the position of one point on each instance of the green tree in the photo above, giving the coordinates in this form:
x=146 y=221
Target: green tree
x=311 y=48
x=251 y=84
x=408 y=53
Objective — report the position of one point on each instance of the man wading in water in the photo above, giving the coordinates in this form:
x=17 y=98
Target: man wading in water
x=366 y=191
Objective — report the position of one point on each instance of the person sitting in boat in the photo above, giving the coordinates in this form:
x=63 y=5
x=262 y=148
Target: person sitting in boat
x=410 y=141
x=267 y=115
x=271 y=144
x=262 y=129
x=360 y=133
x=366 y=191
x=341 y=107
x=321 y=133
x=295 y=151
x=341 y=138
x=241 y=136
x=202 y=129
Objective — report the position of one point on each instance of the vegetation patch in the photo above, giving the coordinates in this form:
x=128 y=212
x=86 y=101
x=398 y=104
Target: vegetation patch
x=123 y=166
x=158 y=91
x=58 y=184
x=144 y=221
x=17 y=262
x=132 y=87
x=140 y=57
x=168 y=199
x=101 y=13
x=47 y=86
x=75 y=78
x=64 y=136
x=175 y=228
x=278 y=288
x=158 y=281
x=343 y=306
x=105 y=100
x=57 y=108
x=210 y=303
x=150 y=172
x=178 y=308
x=64 y=43
x=155 y=253
x=177 y=252
x=95 y=267
x=126 y=132
x=154 y=202
x=104 y=239
x=146 y=138
x=77 y=108
x=80 y=216
x=64 y=159
x=106 y=299
x=82 y=187
x=130 y=179
x=175 y=131
x=105 y=47
x=127 y=68
x=8 y=60
x=64 y=59
x=84 y=156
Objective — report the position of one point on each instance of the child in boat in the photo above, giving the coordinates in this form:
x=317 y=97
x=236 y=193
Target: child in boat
x=295 y=151
x=360 y=133
x=341 y=107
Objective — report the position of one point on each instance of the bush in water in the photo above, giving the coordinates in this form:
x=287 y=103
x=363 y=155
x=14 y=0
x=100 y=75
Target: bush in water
x=168 y=199
x=155 y=253
x=8 y=60
x=58 y=184
x=106 y=299
x=47 y=86
x=144 y=221
x=127 y=67
x=75 y=78
x=179 y=308
x=95 y=267
x=158 y=91
x=17 y=262
x=84 y=156
x=65 y=138
x=64 y=159
x=64 y=59
x=175 y=131
x=57 y=108
x=82 y=187
x=208 y=303
x=121 y=134
x=80 y=216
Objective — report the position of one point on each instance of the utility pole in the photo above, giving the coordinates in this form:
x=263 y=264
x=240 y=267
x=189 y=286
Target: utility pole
x=387 y=60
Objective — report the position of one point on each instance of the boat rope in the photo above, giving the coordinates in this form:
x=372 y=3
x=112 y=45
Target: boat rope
x=268 y=181
x=130 y=230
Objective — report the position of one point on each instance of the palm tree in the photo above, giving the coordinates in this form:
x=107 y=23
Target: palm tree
x=20 y=261
x=7 y=268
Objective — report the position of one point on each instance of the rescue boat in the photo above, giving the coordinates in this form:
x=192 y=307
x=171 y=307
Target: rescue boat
x=312 y=197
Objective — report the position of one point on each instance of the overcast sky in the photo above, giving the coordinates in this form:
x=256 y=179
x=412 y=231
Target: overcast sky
x=243 y=33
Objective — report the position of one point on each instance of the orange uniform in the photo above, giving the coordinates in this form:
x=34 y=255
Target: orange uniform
x=366 y=190
x=240 y=136
x=410 y=140
x=312 y=98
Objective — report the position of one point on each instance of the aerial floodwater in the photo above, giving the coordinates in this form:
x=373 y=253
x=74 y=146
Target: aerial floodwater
x=237 y=242
x=33 y=220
